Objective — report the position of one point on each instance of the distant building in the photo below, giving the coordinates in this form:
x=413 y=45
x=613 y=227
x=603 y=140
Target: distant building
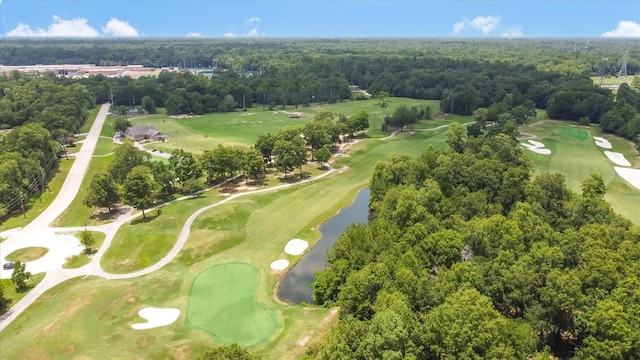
x=144 y=132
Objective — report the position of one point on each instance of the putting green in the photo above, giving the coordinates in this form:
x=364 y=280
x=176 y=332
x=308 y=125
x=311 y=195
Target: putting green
x=223 y=302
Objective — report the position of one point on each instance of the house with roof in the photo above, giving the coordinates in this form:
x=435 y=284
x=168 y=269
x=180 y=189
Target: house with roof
x=144 y=132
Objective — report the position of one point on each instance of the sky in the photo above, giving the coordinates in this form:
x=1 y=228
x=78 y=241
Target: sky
x=320 y=19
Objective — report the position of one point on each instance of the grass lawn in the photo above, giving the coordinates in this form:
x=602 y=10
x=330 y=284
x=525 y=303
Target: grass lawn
x=13 y=297
x=205 y=132
x=27 y=254
x=144 y=241
x=82 y=259
x=612 y=80
x=575 y=155
x=77 y=214
x=93 y=113
x=35 y=208
x=223 y=302
x=104 y=146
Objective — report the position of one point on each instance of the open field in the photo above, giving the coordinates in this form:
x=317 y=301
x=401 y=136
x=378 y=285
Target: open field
x=575 y=155
x=205 y=132
x=612 y=80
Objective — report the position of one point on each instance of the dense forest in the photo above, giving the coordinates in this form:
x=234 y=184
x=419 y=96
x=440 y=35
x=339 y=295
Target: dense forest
x=466 y=257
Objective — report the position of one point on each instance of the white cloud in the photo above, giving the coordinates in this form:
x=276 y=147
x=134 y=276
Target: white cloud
x=625 y=29
x=77 y=27
x=194 y=34
x=115 y=27
x=515 y=31
x=252 y=20
x=459 y=26
x=252 y=33
x=229 y=34
x=486 y=24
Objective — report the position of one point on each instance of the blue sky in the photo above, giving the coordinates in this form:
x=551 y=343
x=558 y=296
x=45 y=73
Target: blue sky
x=329 y=18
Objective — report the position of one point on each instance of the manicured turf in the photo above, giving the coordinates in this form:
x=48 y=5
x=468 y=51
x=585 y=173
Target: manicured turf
x=575 y=155
x=27 y=254
x=223 y=302
x=205 y=132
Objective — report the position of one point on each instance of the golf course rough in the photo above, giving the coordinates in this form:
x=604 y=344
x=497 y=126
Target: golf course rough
x=223 y=303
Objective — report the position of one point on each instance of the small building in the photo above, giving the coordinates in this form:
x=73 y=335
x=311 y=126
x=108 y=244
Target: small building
x=144 y=132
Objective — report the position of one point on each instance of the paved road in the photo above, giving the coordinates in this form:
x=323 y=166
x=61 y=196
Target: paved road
x=36 y=228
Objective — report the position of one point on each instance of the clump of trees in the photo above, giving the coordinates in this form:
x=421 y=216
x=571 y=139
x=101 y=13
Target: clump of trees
x=20 y=276
x=510 y=265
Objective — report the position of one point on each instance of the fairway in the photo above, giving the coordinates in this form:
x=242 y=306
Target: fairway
x=575 y=155
x=223 y=303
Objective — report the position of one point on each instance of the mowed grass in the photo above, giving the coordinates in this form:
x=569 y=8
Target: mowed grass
x=27 y=254
x=142 y=242
x=200 y=133
x=613 y=80
x=222 y=302
x=575 y=155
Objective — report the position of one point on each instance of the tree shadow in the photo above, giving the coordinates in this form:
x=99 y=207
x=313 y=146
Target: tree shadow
x=149 y=216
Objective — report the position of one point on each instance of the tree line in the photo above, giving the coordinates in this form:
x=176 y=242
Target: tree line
x=467 y=256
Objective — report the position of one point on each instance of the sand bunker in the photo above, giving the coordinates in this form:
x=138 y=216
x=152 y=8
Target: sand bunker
x=602 y=142
x=296 y=247
x=279 y=265
x=632 y=176
x=617 y=158
x=536 y=147
x=536 y=143
x=156 y=317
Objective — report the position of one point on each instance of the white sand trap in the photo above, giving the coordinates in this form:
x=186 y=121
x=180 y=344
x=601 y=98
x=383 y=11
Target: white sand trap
x=541 y=151
x=602 y=142
x=617 y=158
x=156 y=317
x=296 y=247
x=536 y=143
x=632 y=176
x=536 y=148
x=279 y=264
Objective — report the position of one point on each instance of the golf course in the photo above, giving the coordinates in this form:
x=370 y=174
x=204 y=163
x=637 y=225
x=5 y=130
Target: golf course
x=221 y=280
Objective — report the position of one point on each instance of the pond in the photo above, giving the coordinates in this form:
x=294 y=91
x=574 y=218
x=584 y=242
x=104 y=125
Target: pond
x=296 y=285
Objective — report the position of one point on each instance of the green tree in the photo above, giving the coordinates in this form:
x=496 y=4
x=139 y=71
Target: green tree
x=103 y=191
x=19 y=276
x=192 y=187
x=233 y=351
x=121 y=124
x=474 y=330
x=87 y=240
x=265 y=144
x=184 y=165
x=456 y=137
x=253 y=163
x=323 y=155
x=148 y=105
x=290 y=154
x=125 y=158
x=383 y=103
x=139 y=188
